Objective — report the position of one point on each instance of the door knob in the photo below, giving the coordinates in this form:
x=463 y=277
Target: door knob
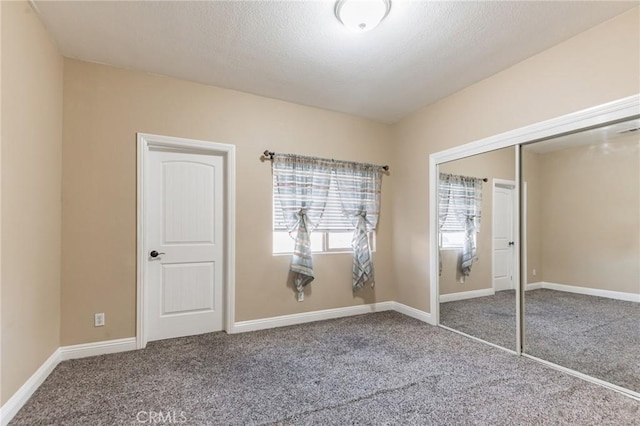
x=155 y=254
x=510 y=243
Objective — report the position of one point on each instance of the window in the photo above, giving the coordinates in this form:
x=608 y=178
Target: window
x=451 y=239
x=332 y=236
x=451 y=232
x=457 y=199
x=321 y=242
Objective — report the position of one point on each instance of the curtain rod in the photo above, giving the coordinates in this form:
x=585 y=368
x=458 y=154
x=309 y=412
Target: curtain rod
x=482 y=179
x=268 y=154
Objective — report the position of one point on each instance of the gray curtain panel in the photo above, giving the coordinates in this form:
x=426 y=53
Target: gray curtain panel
x=359 y=189
x=302 y=185
x=444 y=195
x=460 y=197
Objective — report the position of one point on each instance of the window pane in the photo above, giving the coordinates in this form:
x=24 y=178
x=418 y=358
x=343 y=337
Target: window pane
x=316 y=241
x=283 y=243
x=452 y=239
x=340 y=240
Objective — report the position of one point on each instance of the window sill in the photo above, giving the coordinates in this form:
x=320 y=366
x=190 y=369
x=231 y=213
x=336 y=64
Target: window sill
x=450 y=248
x=319 y=252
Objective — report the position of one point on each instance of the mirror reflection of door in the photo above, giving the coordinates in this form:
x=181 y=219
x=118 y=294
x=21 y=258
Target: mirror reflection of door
x=503 y=235
x=582 y=298
x=480 y=301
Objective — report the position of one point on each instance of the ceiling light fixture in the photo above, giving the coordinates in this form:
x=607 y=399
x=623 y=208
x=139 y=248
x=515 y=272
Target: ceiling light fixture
x=362 y=15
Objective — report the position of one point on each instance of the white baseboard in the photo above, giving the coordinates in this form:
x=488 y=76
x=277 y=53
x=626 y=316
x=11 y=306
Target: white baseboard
x=325 y=314
x=63 y=353
x=533 y=286
x=22 y=395
x=451 y=297
x=413 y=312
x=618 y=295
x=97 y=348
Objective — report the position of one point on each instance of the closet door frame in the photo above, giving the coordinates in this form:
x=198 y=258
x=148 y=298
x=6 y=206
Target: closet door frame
x=620 y=110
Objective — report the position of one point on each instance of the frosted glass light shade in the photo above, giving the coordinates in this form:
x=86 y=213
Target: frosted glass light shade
x=362 y=15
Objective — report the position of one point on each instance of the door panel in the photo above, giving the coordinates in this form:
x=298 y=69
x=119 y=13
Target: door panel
x=183 y=221
x=503 y=253
x=186 y=287
x=188 y=206
x=501 y=264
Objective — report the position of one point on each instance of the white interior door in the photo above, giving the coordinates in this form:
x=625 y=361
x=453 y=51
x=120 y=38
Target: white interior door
x=184 y=244
x=503 y=237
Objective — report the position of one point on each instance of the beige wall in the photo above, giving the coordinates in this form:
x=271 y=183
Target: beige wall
x=31 y=177
x=104 y=107
x=597 y=66
x=590 y=210
x=499 y=164
x=1 y=397
x=533 y=181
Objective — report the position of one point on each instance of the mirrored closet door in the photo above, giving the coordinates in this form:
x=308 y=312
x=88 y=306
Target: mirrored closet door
x=582 y=258
x=477 y=228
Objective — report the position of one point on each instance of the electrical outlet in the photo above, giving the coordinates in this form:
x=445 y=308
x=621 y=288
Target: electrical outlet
x=534 y=272
x=300 y=296
x=98 y=319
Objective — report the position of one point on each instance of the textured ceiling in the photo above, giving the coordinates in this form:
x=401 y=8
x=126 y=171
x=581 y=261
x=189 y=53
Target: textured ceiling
x=299 y=52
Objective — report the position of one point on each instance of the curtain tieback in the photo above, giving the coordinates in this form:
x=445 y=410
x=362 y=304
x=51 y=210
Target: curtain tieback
x=301 y=217
x=365 y=221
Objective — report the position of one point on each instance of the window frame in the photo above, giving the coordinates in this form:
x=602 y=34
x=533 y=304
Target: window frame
x=325 y=243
